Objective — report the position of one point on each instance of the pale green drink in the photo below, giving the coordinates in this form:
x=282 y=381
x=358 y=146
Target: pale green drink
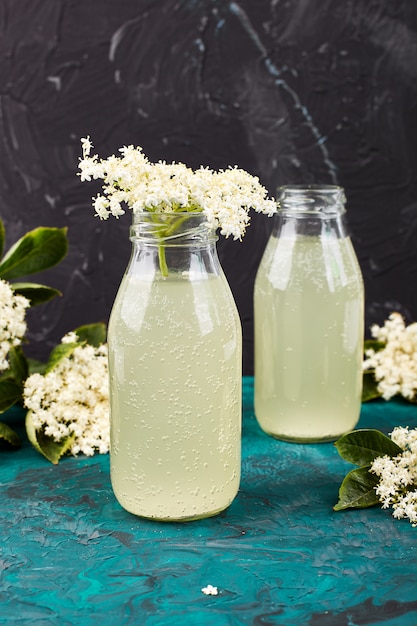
x=308 y=338
x=175 y=364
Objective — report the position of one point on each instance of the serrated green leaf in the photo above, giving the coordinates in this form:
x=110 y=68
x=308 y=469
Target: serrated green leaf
x=370 y=388
x=18 y=364
x=36 y=251
x=60 y=352
x=35 y=293
x=362 y=446
x=2 y=237
x=9 y=435
x=93 y=334
x=51 y=450
x=10 y=393
x=357 y=490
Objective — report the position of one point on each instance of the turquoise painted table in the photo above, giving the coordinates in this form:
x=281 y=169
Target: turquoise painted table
x=279 y=555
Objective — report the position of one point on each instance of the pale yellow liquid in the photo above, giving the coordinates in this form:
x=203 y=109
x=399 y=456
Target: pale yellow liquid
x=308 y=339
x=175 y=367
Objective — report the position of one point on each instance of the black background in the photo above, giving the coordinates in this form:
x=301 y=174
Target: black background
x=296 y=91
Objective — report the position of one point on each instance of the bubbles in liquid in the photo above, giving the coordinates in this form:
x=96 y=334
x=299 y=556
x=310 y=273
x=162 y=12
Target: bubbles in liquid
x=301 y=347
x=181 y=438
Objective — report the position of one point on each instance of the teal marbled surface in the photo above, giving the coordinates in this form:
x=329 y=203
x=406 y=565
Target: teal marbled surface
x=279 y=555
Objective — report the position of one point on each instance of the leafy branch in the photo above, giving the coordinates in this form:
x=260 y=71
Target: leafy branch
x=92 y=334
x=361 y=447
x=38 y=250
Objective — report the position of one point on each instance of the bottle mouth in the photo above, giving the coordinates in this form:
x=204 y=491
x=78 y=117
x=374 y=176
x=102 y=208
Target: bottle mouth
x=322 y=200
x=172 y=228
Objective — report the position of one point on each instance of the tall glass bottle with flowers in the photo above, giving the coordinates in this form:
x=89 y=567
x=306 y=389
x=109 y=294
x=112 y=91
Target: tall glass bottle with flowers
x=174 y=335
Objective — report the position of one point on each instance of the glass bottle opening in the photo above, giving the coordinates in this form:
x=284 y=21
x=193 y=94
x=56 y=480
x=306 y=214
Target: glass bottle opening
x=319 y=200
x=183 y=228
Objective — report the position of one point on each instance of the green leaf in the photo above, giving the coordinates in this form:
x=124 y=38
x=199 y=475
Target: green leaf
x=35 y=293
x=8 y=434
x=357 y=490
x=35 y=366
x=2 y=237
x=36 y=251
x=51 y=449
x=370 y=387
x=373 y=344
x=362 y=446
x=93 y=334
x=10 y=393
x=60 y=352
x=18 y=364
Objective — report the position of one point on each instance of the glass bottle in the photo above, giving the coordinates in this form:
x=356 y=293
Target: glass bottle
x=309 y=320
x=175 y=360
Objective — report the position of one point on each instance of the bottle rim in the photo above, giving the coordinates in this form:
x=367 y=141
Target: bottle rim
x=313 y=199
x=172 y=228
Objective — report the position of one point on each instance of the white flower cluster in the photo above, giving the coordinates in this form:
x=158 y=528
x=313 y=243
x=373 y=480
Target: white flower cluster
x=225 y=197
x=73 y=398
x=395 y=365
x=398 y=476
x=210 y=590
x=12 y=320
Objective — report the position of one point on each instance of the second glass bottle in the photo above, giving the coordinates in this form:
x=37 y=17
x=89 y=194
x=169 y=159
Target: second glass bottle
x=308 y=316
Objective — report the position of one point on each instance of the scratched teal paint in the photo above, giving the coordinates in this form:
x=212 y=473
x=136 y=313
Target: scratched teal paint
x=279 y=554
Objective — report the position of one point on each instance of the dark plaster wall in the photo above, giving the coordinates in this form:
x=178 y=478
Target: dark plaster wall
x=294 y=91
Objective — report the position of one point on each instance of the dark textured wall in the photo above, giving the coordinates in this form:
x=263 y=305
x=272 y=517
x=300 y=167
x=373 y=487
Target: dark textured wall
x=294 y=91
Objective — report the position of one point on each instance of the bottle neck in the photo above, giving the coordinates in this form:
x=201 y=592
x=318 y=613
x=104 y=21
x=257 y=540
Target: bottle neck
x=315 y=200
x=311 y=210
x=182 y=229
x=173 y=245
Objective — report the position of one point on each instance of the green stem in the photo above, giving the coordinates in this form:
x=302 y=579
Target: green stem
x=162 y=260
x=169 y=230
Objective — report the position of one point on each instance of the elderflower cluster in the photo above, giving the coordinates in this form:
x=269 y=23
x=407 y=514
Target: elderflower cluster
x=397 y=487
x=225 y=197
x=73 y=398
x=12 y=320
x=395 y=365
x=210 y=590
